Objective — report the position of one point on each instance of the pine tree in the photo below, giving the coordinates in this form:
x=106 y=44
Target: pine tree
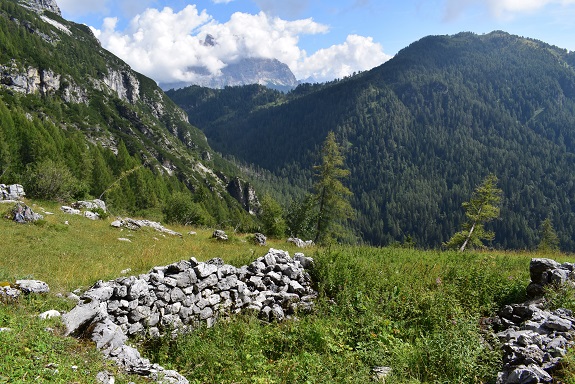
x=481 y=209
x=332 y=197
x=549 y=240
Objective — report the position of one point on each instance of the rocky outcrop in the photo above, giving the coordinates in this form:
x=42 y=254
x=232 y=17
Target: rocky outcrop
x=268 y=72
x=182 y=296
x=31 y=80
x=21 y=213
x=93 y=209
x=124 y=84
x=535 y=339
x=219 y=235
x=260 y=239
x=10 y=292
x=245 y=194
x=300 y=243
x=42 y=5
x=135 y=225
x=11 y=192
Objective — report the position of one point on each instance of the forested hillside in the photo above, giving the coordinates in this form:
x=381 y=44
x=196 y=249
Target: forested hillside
x=420 y=132
x=77 y=122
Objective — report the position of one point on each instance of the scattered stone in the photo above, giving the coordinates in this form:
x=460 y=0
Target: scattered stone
x=5 y=330
x=21 y=213
x=380 y=373
x=300 y=243
x=32 y=286
x=70 y=210
x=192 y=233
x=91 y=205
x=49 y=314
x=219 y=235
x=91 y=215
x=124 y=239
x=9 y=293
x=135 y=225
x=260 y=239
x=105 y=377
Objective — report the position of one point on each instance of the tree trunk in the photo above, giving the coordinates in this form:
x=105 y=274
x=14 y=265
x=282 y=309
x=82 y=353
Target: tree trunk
x=467 y=240
x=319 y=218
x=470 y=232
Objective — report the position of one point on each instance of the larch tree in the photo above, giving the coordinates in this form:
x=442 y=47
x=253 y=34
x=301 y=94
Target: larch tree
x=331 y=196
x=549 y=241
x=481 y=209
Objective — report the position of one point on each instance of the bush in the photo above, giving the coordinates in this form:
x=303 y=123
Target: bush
x=50 y=180
x=181 y=209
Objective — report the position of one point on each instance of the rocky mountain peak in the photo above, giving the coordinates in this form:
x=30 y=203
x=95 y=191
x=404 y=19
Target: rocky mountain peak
x=43 y=5
x=271 y=73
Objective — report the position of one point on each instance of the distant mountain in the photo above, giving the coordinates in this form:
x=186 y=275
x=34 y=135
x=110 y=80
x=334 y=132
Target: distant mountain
x=69 y=106
x=268 y=72
x=420 y=132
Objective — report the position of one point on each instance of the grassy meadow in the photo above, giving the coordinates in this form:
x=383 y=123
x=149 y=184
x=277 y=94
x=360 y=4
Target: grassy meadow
x=418 y=312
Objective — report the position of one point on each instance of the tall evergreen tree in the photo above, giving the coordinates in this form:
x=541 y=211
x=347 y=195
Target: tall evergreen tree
x=549 y=241
x=331 y=195
x=481 y=209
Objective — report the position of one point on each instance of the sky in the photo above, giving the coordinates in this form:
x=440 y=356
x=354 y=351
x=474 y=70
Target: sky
x=320 y=40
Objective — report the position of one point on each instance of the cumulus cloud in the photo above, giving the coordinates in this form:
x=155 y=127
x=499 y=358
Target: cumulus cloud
x=356 y=54
x=500 y=8
x=183 y=46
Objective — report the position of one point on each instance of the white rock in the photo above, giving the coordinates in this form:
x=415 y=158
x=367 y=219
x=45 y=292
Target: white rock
x=49 y=314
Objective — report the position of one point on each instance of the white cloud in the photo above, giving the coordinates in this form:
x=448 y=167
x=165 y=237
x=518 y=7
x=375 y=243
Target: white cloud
x=221 y=1
x=357 y=53
x=166 y=45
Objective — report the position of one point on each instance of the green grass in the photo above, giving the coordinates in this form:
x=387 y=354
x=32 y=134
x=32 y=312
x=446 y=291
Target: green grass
x=419 y=312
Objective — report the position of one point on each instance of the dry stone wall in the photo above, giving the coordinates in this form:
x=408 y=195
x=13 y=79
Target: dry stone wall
x=535 y=339
x=185 y=295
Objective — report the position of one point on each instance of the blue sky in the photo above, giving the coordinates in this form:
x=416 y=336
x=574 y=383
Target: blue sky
x=318 y=39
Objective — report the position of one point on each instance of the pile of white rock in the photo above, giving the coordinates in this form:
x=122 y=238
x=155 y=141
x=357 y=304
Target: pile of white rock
x=184 y=295
x=535 y=340
x=11 y=192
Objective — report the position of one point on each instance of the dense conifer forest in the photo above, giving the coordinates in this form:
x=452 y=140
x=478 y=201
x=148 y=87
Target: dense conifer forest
x=420 y=132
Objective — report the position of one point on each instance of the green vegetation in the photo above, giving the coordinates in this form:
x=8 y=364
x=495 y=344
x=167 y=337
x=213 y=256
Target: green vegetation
x=419 y=133
x=549 y=240
x=481 y=209
x=418 y=312
x=332 y=197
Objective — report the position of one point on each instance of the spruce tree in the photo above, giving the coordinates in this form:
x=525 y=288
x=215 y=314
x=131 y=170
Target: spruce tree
x=332 y=197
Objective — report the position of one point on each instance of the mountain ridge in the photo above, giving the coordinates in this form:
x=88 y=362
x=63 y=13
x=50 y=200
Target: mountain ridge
x=420 y=132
